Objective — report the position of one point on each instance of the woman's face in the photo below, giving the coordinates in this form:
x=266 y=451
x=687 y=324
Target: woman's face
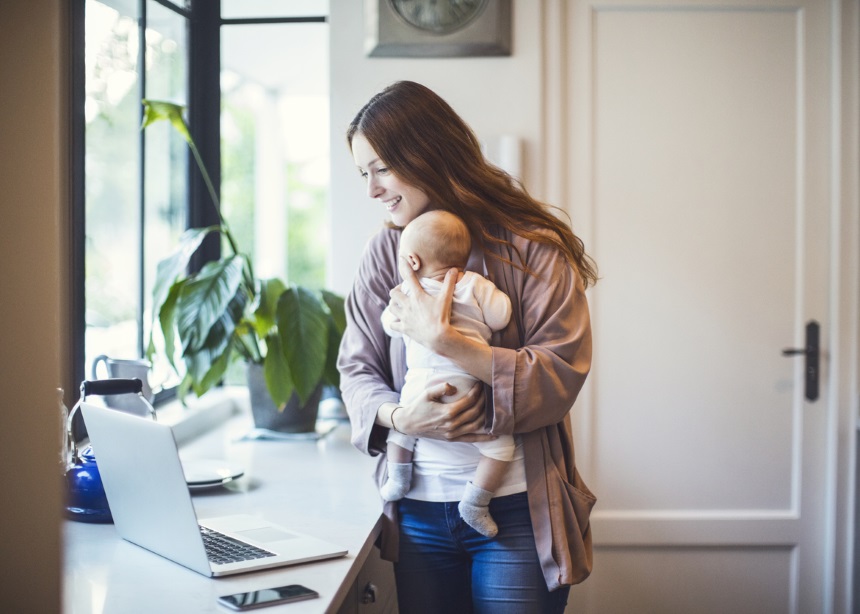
x=403 y=201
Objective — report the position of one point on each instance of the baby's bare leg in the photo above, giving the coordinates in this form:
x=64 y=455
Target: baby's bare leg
x=398 y=454
x=490 y=473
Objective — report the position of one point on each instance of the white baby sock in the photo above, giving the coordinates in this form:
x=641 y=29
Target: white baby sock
x=474 y=508
x=398 y=482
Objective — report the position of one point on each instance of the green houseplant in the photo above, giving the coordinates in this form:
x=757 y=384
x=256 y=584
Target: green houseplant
x=223 y=313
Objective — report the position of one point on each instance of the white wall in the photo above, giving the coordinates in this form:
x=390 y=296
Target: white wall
x=496 y=96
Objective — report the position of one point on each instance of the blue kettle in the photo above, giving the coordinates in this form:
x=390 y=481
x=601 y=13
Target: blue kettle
x=85 y=494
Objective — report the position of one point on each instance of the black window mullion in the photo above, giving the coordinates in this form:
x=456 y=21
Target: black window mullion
x=204 y=119
x=175 y=8
x=141 y=187
x=77 y=216
x=272 y=20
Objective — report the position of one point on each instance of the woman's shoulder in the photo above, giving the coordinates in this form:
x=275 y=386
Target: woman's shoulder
x=525 y=239
x=521 y=232
x=533 y=230
x=541 y=257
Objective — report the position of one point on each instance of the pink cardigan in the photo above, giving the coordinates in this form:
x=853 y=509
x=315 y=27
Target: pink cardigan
x=540 y=362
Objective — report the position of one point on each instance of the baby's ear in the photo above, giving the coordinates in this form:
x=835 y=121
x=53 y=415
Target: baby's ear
x=414 y=261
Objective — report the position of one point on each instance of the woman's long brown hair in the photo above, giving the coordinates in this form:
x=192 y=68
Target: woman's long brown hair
x=422 y=140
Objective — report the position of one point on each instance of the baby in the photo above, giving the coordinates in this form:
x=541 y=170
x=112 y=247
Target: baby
x=433 y=243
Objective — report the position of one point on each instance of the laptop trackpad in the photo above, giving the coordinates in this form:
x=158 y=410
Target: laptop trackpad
x=265 y=534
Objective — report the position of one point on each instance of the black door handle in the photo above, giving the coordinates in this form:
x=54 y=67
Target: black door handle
x=811 y=351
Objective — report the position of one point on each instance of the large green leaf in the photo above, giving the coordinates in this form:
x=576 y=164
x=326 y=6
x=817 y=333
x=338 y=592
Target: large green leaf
x=184 y=387
x=336 y=307
x=204 y=300
x=247 y=342
x=335 y=304
x=278 y=379
x=303 y=324
x=331 y=375
x=217 y=369
x=166 y=318
x=265 y=314
x=175 y=265
x=206 y=364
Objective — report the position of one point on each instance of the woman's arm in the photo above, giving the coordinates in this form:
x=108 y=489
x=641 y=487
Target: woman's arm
x=541 y=363
x=367 y=380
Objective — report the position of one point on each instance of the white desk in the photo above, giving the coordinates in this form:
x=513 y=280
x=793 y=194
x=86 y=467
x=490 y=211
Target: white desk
x=323 y=488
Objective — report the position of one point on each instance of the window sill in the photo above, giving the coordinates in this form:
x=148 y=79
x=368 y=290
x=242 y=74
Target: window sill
x=200 y=415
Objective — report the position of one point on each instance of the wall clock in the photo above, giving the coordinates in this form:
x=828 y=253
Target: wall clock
x=437 y=28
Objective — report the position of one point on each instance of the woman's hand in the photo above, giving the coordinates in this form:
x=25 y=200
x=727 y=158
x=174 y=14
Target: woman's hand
x=432 y=417
x=424 y=318
x=427 y=320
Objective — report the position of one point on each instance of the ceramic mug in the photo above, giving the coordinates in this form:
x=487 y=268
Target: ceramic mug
x=126 y=369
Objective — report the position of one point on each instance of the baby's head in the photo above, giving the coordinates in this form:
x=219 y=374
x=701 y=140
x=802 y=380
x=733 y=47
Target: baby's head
x=434 y=242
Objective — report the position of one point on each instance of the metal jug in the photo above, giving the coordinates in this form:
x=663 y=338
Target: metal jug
x=118 y=368
x=85 y=494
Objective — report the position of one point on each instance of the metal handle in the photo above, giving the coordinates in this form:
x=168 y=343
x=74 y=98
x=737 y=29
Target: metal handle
x=369 y=595
x=100 y=388
x=811 y=352
x=111 y=386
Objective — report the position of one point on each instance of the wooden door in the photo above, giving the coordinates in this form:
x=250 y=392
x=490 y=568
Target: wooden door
x=699 y=139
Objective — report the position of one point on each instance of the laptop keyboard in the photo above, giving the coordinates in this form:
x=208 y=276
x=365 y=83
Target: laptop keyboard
x=222 y=549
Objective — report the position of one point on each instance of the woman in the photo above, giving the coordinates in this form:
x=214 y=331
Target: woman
x=417 y=154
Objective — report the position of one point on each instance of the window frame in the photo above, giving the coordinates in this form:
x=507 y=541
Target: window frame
x=204 y=23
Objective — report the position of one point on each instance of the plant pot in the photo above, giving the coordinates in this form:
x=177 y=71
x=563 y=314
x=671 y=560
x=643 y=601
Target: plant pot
x=295 y=417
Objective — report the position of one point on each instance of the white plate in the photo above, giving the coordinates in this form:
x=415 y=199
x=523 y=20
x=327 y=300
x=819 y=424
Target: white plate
x=209 y=473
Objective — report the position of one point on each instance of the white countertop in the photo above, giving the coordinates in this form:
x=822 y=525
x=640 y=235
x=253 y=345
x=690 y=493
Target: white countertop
x=323 y=488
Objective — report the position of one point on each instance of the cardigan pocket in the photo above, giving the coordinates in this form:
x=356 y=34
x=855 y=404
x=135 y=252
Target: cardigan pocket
x=582 y=502
x=570 y=506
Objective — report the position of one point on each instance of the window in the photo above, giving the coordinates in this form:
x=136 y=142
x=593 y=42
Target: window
x=138 y=193
x=274 y=146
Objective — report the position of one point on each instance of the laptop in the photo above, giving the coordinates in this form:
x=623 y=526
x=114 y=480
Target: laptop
x=151 y=505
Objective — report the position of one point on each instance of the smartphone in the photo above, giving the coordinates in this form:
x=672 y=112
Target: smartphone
x=267 y=596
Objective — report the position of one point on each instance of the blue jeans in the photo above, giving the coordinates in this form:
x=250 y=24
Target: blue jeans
x=446 y=566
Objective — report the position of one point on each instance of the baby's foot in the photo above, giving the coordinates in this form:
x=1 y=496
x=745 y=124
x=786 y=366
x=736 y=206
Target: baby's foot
x=475 y=510
x=393 y=490
x=478 y=517
x=398 y=482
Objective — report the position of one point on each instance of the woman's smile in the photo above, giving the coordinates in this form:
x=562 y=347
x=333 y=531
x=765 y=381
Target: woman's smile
x=390 y=204
x=403 y=201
